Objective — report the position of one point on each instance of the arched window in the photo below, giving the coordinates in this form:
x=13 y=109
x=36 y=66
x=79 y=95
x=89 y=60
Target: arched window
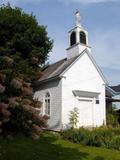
x=73 y=38
x=82 y=37
x=47 y=103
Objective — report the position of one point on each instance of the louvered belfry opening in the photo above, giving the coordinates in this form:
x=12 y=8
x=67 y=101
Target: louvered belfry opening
x=82 y=37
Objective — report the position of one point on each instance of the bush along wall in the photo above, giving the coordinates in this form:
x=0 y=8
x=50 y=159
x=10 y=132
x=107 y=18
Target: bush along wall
x=99 y=137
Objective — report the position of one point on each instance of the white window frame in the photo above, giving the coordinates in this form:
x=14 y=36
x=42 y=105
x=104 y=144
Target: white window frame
x=47 y=103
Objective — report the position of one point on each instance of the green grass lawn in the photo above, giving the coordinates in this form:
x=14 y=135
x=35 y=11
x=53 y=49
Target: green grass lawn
x=50 y=147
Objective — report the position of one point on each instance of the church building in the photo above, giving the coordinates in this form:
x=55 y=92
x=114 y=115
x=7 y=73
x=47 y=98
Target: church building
x=73 y=82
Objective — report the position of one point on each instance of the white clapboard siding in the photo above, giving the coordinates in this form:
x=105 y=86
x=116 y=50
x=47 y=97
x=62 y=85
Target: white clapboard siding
x=54 y=88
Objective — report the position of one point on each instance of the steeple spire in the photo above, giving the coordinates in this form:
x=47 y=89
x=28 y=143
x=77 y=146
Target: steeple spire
x=77 y=18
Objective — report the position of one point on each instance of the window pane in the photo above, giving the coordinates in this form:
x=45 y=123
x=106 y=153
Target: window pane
x=49 y=110
x=49 y=107
x=47 y=104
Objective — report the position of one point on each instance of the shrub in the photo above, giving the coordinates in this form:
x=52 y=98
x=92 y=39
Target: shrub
x=74 y=135
x=115 y=143
x=73 y=117
x=112 y=120
x=103 y=136
x=24 y=120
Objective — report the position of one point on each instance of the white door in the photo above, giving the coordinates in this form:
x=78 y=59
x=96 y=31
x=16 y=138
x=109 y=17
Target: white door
x=85 y=113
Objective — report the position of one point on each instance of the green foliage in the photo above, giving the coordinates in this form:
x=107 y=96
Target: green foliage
x=20 y=33
x=112 y=120
x=112 y=117
x=99 y=137
x=115 y=143
x=73 y=117
x=24 y=46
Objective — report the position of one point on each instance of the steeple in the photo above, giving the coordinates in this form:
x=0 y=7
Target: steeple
x=78 y=38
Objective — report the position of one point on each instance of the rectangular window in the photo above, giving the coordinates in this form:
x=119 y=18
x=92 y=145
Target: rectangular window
x=47 y=104
x=97 y=101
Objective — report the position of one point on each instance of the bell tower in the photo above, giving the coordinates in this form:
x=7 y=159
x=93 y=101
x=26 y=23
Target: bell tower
x=78 y=38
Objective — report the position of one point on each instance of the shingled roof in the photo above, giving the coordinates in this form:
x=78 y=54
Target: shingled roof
x=54 y=70
x=116 y=88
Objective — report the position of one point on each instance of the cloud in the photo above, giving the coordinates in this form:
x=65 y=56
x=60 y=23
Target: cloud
x=87 y=1
x=106 y=48
x=84 y=2
x=17 y=2
x=13 y=2
x=94 y=1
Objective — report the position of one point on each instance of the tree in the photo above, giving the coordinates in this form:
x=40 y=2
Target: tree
x=24 y=47
x=73 y=117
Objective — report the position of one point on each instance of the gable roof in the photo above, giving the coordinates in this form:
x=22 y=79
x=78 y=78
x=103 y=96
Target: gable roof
x=57 y=69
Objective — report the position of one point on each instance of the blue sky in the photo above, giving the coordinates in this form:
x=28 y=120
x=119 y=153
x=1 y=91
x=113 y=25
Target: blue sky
x=101 y=18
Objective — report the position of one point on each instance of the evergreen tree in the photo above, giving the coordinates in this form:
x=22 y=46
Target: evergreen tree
x=24 y=46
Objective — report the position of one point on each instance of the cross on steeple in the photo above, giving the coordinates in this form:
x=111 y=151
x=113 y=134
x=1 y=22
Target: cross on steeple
x=77 y=18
